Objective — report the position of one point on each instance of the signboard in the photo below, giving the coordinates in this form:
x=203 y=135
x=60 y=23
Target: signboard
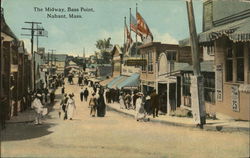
x=235 y=98
x=44 y=70
x=14 y=68
x=136 y=62
x=219 y=82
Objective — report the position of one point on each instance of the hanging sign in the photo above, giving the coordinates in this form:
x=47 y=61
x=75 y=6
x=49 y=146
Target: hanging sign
x=219 y=83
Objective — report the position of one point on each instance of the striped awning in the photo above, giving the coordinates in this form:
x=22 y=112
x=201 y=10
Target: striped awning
x=116 y=81
x=130 y=82
x=238 y=31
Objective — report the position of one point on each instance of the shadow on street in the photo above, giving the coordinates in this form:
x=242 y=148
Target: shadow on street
x=25 y=131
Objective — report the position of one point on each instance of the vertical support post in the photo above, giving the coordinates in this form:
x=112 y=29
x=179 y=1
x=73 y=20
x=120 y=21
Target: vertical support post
x=197 y=90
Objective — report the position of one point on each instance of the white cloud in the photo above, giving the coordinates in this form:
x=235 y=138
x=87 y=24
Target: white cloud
x=163 y=37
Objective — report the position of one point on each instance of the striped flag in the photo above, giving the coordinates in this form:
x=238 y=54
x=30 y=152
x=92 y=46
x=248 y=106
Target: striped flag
x=129 y=39
x=142 y=27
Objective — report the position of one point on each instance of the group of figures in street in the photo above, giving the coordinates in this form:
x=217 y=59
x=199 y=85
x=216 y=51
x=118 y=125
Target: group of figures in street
x=96 y=102
x=143 y=105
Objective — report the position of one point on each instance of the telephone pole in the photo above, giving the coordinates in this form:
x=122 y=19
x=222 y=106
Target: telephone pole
x=197 y=89
x=32 y=29
x=52 y=58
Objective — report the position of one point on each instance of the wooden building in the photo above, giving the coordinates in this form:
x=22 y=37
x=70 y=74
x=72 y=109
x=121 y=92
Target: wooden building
x=151 y=53
x=13 y=74
x=226 y=31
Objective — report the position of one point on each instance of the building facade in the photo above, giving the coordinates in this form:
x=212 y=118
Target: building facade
x=226 y=33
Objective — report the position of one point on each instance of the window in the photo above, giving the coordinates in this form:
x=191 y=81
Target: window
x=229 y=65
x=240 y=62
x=209 y=87
x=235 y=63
x=150 y=61
x=186 y=82
x=210 y=50
x=171 y=56
x=143 y=66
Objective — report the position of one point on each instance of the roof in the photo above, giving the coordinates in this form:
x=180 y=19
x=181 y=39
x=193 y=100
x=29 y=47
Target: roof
x=5 y=28
x=132 y=81
x=155 y=44
x=238 y=31
x=72 y=63
x=206 y=66
x=116 y=47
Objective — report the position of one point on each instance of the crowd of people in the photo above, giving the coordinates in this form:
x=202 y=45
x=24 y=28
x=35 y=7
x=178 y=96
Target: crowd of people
x=94 y=95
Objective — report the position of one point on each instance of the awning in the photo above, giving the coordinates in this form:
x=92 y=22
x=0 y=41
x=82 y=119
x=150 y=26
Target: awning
x=116 y=81
x=130 y=82
x=238 y=31
x=105 y=82
x=206 y=66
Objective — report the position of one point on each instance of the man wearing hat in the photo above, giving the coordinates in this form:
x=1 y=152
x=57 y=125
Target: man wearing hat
x=38 y=107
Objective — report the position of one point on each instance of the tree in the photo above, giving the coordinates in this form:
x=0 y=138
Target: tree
x=103 y=46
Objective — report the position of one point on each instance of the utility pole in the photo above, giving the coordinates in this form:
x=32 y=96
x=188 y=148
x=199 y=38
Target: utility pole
x=32 y=29
x=52 y=58
x=197 y=89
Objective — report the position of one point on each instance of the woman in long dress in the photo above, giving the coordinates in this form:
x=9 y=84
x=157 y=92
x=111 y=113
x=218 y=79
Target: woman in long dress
x=71 y=107
x=92 y=104
x=121 y=101
x=101 y=107
x=140 y=111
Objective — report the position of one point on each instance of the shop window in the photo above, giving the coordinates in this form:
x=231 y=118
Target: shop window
x=210 y=50
x=143 y=66
x=235 y=57
x=209 y=87
x=240 y=62
x=150 y=61
x=229 y=65
x=186 y=82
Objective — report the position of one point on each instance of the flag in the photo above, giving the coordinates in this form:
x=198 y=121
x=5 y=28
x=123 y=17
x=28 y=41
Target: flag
x=142 y=27
x=133 y=25
x=129 y=40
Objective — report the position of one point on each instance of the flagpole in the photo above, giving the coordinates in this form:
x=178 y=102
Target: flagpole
x=136 y=32
x=124 y=40
x=130 y=24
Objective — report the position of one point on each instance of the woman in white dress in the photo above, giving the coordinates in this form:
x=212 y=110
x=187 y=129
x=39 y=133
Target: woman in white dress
x=71 y=107
x=121 y=101
x=140 y=111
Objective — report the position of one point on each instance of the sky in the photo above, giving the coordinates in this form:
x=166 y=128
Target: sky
x=167 y=20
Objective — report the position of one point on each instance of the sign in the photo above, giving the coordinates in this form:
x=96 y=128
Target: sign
x=136 y=62
x=44 y=70
x=219 y=82
x=235 y=98
x=14 y=68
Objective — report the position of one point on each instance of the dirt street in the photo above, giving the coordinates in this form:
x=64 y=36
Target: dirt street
x=115 y=136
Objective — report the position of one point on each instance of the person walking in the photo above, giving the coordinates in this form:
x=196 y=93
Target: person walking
x=147 y=104
x=63 y=106
x=121 y=101
x=81 y=95
x=71 y=107
x=86 y=94
x=92 y=104
x=38 y=107
x=101 y=106
x=154 y=103
x=140 y=114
